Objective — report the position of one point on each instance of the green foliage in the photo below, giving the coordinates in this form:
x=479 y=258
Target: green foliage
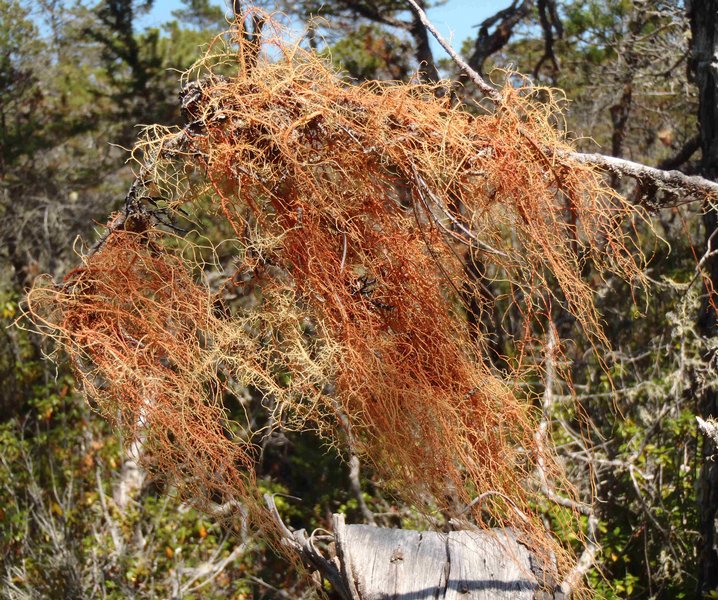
x=371 y=53
x=20 y=92
x=595 y=20
x=202 y=16
x=74 y=541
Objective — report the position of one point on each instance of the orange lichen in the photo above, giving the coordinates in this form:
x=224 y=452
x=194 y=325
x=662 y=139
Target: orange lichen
x=353 y=210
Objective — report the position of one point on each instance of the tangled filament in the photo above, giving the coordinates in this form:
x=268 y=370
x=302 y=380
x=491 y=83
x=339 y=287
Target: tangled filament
x=352 y=212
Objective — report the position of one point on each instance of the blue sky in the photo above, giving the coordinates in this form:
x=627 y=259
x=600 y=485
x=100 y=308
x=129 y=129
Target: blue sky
x=455 y=19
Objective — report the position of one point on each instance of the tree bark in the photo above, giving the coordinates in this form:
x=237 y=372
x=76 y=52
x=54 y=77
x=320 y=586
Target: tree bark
x=703 y=15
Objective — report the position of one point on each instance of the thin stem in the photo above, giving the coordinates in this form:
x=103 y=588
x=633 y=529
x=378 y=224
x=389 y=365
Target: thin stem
x=486 y=89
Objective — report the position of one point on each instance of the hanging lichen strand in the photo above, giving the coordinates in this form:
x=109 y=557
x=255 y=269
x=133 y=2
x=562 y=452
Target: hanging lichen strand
x=348 y=211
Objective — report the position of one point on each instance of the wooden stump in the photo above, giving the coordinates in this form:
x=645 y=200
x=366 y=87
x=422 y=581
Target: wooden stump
x=378 y=563
x=398 y=564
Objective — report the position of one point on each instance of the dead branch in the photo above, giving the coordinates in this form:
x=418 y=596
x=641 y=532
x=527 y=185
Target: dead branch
x=427 y=69
x=486 y=89
x=679 y=187
x=304 y=547
x=550 y=24
x=683 y=155
x=504 y=22
x=588 y=557
x=542 y=433
x=373 y=562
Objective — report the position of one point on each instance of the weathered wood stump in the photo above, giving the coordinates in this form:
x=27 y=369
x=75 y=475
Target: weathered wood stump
x=378 y=563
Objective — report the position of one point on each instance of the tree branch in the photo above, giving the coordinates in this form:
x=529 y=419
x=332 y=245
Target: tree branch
x=674 y=183
x=505 y=20
x=550 y=22
x=687 y=150
x=427 y=65
x=486 y=89
x=372 y=14
x=588 y=557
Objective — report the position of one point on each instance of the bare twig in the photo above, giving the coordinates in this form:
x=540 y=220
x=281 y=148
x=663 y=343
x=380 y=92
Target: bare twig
x=302 y=544
x=585 y=562
x=541 y=435
x=355 y=482
x=354 y=465
x=275 y=590
x=211 y=569
x=481 y=497
x=588 y=556
x=473 y=239
x=684 y=154
x=115 y=534
x=486 y=89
